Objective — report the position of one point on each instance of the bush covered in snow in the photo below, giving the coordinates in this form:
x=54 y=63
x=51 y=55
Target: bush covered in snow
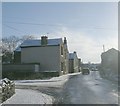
x=8 y=89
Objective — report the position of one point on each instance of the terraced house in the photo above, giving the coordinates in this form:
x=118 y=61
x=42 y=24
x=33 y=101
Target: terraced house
x=50 y=55
x=74 y=63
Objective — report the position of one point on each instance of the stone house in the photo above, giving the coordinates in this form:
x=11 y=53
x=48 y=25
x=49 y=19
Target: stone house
x=109 y=64
x=50 y=54
x=74 y=63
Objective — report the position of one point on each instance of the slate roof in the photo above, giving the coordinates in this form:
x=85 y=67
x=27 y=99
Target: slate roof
x=33 y=43
x=71 y=55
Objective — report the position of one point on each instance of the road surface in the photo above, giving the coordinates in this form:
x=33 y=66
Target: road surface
x=89 y=89
x=70 y=89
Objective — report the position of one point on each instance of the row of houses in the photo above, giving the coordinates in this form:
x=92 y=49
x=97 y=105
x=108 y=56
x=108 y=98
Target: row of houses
x=46 y=55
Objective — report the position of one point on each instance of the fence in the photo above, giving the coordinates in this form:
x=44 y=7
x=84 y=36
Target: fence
x=7 y=89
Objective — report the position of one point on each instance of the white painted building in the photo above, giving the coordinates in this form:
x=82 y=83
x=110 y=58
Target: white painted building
x=51 y=54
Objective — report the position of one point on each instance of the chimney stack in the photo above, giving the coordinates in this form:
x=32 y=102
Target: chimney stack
x=65 y=41
x=74 y=52
x=44 y=40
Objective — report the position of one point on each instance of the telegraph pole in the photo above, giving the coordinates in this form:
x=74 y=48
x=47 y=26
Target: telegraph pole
x=103 y=48
x=47 y=33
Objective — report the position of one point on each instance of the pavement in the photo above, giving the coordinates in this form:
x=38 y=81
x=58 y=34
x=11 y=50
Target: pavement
x=26 y=96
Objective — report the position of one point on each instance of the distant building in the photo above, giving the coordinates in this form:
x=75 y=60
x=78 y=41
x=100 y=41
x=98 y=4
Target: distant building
x=51 y=54
x=74 y=63
x=109 y=64
x=91 y=66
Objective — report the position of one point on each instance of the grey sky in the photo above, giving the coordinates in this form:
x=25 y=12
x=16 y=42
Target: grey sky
x=87 y=25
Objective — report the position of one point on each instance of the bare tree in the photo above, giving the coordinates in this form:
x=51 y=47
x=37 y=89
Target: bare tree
x=27 y=37
x=9 y=44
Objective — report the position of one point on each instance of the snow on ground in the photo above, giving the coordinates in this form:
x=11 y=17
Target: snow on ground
x=28 y=96
x=25 y=96
x=53 y=82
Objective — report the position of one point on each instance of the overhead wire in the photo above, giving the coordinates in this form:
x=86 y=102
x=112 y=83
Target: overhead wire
x=13 y=28
x=34 y=24
x=55 y=25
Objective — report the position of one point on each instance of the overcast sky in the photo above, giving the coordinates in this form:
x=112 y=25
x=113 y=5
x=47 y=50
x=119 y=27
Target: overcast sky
x=87 y=25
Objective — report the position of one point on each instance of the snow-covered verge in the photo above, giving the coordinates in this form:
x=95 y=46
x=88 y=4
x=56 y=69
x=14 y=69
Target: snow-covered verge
x=53 y=82
x=26 y=95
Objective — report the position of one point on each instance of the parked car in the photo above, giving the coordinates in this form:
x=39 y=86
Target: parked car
x=94 y=69
x=85 y=71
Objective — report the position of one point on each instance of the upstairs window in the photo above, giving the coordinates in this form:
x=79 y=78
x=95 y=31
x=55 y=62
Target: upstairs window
x=61 y=50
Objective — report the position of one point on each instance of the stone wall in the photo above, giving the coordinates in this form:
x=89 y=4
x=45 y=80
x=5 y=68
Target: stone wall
x=21 y=67
x=20 y=71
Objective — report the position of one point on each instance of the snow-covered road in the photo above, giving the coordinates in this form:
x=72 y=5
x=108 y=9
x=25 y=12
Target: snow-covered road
x=90 y=89
x=28 y=91
x=67 y=89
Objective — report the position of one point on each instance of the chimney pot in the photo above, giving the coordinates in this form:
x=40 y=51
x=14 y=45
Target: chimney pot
x=75 y=52
x=44 y=40
x=65 y=41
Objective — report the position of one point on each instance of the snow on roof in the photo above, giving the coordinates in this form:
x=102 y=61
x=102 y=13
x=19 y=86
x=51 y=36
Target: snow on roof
x=29 y=43
x=18 y=49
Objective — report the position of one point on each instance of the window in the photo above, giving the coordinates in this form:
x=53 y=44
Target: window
x=62 y=65
x=61 y=50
